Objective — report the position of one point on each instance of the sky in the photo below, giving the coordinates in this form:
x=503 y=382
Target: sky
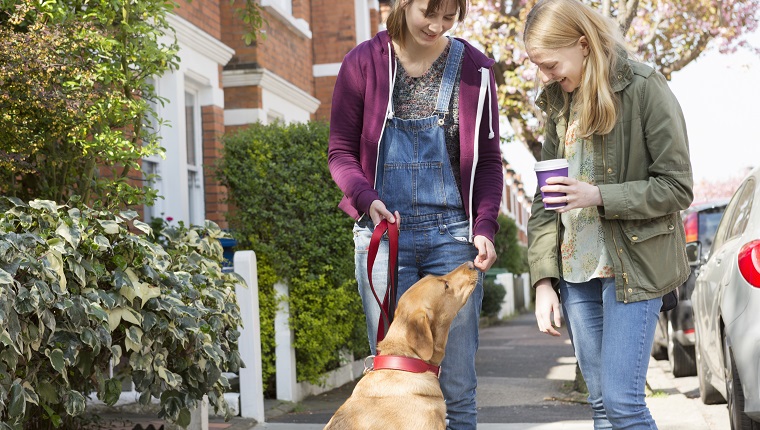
x=720 y=98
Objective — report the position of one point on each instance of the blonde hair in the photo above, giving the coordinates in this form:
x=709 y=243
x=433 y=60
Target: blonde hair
x=396 y=21
x=553 y=24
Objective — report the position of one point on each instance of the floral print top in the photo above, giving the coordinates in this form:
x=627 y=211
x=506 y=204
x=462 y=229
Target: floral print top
x=584 y=255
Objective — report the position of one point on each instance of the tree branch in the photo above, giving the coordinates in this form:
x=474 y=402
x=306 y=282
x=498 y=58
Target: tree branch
x=606 y=8
x=687 y=57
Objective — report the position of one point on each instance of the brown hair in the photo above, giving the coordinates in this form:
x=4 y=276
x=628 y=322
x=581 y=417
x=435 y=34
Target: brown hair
x=396 y=22
x=553 y=24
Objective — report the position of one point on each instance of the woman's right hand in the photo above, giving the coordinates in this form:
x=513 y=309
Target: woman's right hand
x=378 y=212
x=547 y=303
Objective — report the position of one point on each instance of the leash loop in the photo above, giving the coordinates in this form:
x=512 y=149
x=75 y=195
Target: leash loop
x=388 y=304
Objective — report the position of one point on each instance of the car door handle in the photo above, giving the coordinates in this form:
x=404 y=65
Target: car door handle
x=718 y=258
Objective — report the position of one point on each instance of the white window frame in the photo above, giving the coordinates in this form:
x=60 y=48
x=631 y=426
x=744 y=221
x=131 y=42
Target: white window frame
x=196 y=206
x=283 y=11
x=156 y=162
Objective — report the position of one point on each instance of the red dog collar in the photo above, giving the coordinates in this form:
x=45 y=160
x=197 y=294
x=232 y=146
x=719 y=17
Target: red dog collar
x=406 y=364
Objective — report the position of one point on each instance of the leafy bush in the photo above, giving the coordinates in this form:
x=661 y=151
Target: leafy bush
x=79 y=291
x=76 y=95
x=493 y=296
x=286 y=211
x=511 y=255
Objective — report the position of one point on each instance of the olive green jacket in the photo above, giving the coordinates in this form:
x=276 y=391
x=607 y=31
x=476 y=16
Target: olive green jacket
x=644 y=174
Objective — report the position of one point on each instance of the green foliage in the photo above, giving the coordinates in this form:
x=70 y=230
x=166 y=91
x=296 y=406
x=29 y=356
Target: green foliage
x=75 y=95
x=493 y=296
x=286 y=211
x=80 y=291
x=511 y=255
x=251 y=14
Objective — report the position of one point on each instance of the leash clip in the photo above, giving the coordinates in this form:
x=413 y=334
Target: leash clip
x=369 y=368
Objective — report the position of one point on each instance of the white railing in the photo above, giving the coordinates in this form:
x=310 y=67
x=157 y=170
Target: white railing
x=518 y=293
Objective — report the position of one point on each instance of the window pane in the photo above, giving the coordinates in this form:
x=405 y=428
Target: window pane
x=742 y=211
x=190 y=127
x=192 y=197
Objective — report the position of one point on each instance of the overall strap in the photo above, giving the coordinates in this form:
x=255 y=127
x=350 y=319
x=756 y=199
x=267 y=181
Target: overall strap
x=449 y=79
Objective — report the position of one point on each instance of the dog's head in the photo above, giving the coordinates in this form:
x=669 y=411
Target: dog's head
x=425 y=312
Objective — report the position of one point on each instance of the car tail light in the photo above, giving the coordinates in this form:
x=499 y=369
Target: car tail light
x=691 y=227
x=749 y=262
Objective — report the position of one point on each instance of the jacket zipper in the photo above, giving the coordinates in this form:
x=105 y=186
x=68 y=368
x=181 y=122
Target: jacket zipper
x=614 y=241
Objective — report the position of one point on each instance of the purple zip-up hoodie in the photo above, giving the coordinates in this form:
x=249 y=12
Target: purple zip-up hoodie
x=359 y=108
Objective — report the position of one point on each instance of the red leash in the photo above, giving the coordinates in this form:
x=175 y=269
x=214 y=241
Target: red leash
x=388 y=304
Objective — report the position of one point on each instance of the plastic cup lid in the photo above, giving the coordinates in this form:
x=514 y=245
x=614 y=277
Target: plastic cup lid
x=558 y=163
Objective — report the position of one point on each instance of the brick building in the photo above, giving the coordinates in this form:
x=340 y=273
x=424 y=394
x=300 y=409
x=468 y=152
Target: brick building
x=222 y=83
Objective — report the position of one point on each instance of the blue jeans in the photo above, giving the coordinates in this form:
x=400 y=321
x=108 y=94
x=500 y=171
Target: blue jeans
x=612 y=342
x=435 y=249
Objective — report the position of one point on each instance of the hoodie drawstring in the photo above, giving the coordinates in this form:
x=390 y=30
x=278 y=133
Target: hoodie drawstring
x=490 y=111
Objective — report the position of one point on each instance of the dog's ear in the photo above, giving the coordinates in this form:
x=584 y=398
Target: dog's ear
x=420 y=335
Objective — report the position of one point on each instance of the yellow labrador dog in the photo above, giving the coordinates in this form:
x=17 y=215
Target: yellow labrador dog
x=388 y=398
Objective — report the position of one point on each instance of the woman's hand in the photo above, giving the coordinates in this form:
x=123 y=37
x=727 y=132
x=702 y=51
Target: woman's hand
x=578 y=194
x=547 y=303
x=378 y=212
x=486 y=253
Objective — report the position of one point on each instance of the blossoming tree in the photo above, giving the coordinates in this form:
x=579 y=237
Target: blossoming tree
x=668 y=35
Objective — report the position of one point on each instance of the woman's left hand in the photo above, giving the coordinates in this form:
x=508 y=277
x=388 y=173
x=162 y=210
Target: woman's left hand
x=578 y=194
x=486 y=253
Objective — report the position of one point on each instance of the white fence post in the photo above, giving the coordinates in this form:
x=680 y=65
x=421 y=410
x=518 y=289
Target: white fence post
x=251 y=384
x=507 y=280
x=527 y=290
x=199 y=416
x=285 y=352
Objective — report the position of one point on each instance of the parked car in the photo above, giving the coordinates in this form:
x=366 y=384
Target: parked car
x=726 y=302
x=674 y=336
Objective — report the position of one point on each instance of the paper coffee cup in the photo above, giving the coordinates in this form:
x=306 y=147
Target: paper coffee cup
x=548 y=169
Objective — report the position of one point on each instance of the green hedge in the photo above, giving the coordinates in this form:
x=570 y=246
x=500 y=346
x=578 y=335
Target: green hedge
x=285 y=210
x=511 y=255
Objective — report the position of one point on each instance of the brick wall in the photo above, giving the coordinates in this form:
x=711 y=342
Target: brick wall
x=204 y=14
x=216 y=194
x=242 y=98
x=283 y=51
x=325 y=87
x=334 y=30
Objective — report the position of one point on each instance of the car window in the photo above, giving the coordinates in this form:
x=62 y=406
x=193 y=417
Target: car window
x=708 y=223
x=727 y=219
x=742 y=210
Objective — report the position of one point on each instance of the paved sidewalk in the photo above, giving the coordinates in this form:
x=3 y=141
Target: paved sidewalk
x=523 y=384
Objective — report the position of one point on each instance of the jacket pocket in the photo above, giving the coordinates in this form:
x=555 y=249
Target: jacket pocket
x=642 y=230
x=653 y=247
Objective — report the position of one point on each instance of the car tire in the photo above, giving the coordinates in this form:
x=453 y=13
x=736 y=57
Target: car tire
x=707 y=393
x=739 y=420
x=659 y=346
x=681 y=357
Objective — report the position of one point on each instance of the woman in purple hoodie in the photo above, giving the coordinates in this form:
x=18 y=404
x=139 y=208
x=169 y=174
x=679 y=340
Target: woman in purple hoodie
x=414 y=139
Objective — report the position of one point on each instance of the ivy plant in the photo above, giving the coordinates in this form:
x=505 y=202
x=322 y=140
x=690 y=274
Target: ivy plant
x=84 y=289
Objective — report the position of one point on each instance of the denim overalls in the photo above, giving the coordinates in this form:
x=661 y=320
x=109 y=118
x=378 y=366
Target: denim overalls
x=415 y=178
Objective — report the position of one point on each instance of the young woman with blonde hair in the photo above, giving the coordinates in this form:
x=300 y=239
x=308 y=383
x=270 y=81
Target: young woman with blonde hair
x=618 y=244
x=414 y=138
